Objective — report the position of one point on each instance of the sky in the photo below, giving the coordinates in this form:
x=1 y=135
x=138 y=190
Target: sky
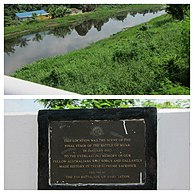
x=21 y=105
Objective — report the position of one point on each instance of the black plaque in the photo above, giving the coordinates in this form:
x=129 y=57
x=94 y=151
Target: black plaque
x=97 y=149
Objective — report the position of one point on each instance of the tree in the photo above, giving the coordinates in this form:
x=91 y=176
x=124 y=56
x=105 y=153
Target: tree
x=60 y=104
x=51 y=11
x=88 y=7
x=85 y=103
x=7 y=21
x=34 y=15
x=178 y=11
x=58 y=11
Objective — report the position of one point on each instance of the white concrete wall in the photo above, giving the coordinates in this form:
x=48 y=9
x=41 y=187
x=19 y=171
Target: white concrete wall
x=173 y=149
x=14 y=86
x=21 y=152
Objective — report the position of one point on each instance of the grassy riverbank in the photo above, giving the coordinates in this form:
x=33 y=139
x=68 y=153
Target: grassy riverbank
x=102 y=12
x=151 y=58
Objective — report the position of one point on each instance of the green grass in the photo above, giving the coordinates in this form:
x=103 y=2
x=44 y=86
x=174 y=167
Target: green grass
x=151 y=58
x=102 y=12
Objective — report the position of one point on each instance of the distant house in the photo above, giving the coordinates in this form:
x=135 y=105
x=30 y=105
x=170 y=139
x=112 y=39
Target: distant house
x=75 y=11
x=39 y=15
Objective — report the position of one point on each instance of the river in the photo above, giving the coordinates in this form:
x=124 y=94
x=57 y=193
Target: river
x=28 y=48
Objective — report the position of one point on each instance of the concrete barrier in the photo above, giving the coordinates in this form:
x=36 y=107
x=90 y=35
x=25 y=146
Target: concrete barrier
x=21 y=151
x=14 y=86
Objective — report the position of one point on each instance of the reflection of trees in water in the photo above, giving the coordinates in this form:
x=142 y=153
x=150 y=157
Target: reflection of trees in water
x=38 y=37
x=153 y=11
x=23 y=42
x=121 y=16
x=9 y=45
x=144 y=12
x=98 y=24
x=83 y=28
x=61 y=31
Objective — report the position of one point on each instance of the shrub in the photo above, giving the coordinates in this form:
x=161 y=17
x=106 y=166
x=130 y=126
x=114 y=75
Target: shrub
x=178 y=11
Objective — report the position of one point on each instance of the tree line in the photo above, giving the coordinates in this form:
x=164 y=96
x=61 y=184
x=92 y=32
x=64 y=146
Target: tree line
x=178 y=11
x=61 y=104
x=58 y=10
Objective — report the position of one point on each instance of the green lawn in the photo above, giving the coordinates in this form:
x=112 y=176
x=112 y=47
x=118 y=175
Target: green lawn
x=151 y=58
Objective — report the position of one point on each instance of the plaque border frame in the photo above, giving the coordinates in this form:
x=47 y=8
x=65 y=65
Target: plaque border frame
x=149 y=114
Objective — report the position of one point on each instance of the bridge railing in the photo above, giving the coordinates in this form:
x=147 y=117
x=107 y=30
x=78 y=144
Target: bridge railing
x=14 y=86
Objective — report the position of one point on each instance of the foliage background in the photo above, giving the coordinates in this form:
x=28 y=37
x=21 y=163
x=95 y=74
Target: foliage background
x=60 y=104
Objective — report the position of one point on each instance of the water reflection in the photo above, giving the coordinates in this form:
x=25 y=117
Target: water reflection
x=60 y=40
x=61 y=31
x=38 y=37
x=122 y=16
x=10 y=45
x=85 y=27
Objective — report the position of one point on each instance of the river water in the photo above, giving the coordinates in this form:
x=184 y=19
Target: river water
x=26 y=49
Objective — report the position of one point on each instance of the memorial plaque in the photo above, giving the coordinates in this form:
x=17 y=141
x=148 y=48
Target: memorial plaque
x=97 y=149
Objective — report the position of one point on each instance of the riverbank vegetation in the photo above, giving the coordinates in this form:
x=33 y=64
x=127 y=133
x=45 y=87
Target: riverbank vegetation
x=152 y=58
x=62 y=17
